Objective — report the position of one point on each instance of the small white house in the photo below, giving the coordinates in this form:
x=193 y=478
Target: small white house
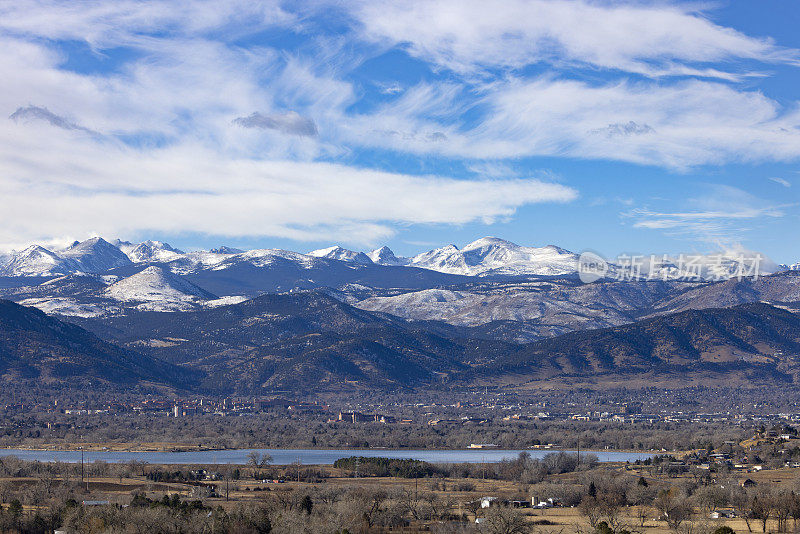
x=547 y=503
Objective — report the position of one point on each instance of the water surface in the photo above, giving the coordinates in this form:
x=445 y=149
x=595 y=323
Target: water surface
x=304 y=456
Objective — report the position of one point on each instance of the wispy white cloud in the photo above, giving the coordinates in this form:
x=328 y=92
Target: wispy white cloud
x=782 y=181
x=678 y=125
x=654 y=39
x=393 y=88
x=721 y=215
x=138 y=23
x=492 y=169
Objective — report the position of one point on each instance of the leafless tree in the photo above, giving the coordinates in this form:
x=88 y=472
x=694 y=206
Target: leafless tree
x=740 y=501
x=782 y=504
x=611 y=506
x=642 y=513
x=761 y=508
x=591 y=508
x=710 y=498
x=673 y=506
x=505 y=520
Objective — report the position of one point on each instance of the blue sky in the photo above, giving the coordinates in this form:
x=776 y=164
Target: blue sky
x=624 y=127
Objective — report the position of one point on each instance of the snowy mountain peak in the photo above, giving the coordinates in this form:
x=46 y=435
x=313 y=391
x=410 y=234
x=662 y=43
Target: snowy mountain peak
x=94 y=245
x=489 y=241
x=492 y=255
x=153 y=251
x=155 y=284
x=447 y=259
x=36 y=250
x=95 y=255
x=385 y=256
x=342 y=254
x=37 y=261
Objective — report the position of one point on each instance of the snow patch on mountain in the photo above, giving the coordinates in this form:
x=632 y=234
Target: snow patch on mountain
x=225 y=301
x=464 y=308
x=69 y=307
x=549 y=308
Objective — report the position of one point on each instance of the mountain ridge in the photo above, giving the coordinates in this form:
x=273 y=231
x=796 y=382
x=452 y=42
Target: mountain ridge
x=36 y=348
x=755 y=341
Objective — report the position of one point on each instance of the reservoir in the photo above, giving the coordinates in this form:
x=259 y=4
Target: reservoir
x=304 y=456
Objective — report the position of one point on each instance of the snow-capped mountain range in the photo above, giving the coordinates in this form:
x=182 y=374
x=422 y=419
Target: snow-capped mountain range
x=486 y=257
x=486 y=281
x=491 y=288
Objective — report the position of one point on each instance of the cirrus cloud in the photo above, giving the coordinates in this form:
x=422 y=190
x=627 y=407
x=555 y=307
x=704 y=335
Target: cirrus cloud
x=655 y=40
x=721 y=215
